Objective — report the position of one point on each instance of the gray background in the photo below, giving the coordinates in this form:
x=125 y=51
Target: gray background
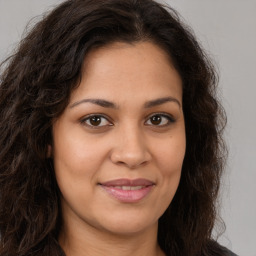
x=227 y=30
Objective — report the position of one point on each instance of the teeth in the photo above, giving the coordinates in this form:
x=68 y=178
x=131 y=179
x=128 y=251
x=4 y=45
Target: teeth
x=129 y=187
x=136 y=188
x=126 y=188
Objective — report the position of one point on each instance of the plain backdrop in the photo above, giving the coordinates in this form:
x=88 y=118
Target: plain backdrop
x=227 y=31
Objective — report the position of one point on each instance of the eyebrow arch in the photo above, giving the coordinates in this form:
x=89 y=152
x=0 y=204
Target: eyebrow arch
x=100 y=102
x=161 y=101
x=108 y=104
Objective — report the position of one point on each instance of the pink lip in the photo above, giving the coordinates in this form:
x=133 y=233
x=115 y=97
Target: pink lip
x=127 y=182
x=128 y=196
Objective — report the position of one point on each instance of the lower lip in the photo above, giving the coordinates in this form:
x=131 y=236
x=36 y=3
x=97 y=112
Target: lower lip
x=128 y=196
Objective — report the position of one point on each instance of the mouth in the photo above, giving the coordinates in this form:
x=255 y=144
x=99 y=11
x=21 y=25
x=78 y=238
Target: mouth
x=128 y=187
x=128 y=191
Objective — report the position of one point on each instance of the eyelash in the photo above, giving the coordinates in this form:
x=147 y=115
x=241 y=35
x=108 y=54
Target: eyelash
x=101 y=116
x=169 y=120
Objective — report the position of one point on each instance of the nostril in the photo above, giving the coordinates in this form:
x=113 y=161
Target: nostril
x=130 y=149
x=132 y=161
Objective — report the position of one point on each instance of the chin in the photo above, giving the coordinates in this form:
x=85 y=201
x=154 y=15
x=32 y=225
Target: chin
x=129 y=225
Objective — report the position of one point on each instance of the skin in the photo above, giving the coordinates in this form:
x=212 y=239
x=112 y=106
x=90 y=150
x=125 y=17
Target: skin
x=126 y=143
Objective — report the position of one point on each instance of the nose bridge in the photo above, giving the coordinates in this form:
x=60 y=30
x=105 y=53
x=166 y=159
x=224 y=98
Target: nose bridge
x=130 y=147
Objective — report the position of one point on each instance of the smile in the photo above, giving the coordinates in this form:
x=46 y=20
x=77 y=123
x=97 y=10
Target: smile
x=128 y=191
x=129 y=187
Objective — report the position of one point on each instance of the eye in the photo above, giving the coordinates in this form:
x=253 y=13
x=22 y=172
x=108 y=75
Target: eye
x=159 y=120
x=95 y=121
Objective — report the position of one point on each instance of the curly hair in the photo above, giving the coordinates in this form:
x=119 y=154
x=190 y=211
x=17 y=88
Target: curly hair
x=35 y=89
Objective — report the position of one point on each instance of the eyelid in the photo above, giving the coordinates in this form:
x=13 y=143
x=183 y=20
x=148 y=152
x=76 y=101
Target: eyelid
x=85 y=118
x=170 y=118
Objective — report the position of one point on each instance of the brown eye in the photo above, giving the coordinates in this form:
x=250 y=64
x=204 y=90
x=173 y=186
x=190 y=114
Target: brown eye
x=156 y=120
x=159 y=120
x=95 y=121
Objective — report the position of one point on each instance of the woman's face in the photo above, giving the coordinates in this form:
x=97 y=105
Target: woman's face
x=118 y=147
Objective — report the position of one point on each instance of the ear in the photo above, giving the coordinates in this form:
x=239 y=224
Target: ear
x=49 y=151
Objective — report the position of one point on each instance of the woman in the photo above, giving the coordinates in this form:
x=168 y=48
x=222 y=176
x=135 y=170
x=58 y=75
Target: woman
x=111 y=136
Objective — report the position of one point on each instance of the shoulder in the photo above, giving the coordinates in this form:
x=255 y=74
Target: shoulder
x=229 y=253
x=215 y=249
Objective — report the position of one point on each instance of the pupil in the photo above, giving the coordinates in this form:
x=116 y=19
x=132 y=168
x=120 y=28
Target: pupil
x=156 y=120
x=95 y=120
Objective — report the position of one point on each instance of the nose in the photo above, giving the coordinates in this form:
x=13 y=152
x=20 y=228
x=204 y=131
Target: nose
x=130 y=149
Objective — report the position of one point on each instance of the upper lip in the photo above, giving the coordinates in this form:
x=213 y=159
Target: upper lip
x=128 y=182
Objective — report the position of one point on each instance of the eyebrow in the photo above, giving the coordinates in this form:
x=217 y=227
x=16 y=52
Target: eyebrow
x=100 y=102
x=160 y=101
x=108 y=104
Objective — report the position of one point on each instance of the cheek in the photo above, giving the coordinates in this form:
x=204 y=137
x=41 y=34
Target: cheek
x=76 y=153
x=76 y=164
x=170 y=156
x=170 y=161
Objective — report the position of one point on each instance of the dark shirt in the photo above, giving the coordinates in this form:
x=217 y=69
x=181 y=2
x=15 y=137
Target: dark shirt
x=217 y=249
x=229 y=253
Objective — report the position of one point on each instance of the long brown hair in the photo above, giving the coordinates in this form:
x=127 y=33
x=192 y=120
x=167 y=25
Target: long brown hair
x=35 y=89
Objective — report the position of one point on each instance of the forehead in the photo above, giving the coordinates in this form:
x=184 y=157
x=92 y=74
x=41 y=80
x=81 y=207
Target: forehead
x=130 y=70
